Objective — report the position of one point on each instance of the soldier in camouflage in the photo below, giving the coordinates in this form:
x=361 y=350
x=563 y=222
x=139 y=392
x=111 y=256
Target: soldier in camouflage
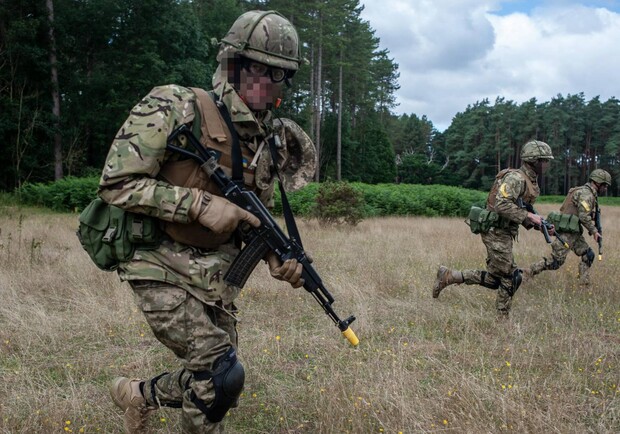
x=179 y=286
x=581 y=202
x=510 y=187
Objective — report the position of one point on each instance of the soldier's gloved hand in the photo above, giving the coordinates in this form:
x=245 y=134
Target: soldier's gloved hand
x=219 y=214
x=289 y=271
x=597 y=236
x=551 y=229
x=534 y=219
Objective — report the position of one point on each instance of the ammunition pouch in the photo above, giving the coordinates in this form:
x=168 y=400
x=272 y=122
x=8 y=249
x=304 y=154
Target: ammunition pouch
x=110 y=235
x=481 y=220
x=567 y=223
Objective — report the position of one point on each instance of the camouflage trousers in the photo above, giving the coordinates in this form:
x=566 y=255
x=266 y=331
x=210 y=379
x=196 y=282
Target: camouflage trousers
x=197 y=333
x=577 y=244
x=500 y=267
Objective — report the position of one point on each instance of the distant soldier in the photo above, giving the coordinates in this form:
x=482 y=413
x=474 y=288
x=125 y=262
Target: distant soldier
x=576 y=213
x=505 y=214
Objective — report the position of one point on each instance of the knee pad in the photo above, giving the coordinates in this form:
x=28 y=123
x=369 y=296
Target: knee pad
x=493 y=284
x=228 y=377
x=554 y=265
x=588 y=256
x=517 y=278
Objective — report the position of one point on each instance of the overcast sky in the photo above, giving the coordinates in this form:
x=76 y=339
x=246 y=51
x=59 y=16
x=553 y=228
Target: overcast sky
x=452 y=53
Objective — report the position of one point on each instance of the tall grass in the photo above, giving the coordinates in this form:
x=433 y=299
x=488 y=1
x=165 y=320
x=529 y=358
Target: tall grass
x=422 y=366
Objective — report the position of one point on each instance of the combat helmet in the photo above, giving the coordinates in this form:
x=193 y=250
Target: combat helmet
x=534 y=150
x=600 y=176
x=265 y=36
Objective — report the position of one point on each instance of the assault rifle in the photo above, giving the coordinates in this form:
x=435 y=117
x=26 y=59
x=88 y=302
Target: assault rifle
x=545 y=226
x=262 y=240
x=599 y=228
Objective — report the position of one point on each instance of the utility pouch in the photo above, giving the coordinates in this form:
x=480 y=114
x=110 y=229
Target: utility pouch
x=110 y=235
x=481 y=220
x=568 y=223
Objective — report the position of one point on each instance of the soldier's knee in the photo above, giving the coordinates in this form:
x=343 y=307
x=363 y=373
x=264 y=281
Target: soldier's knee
x=488 y=280
x=588 y=257
x=515 y=282
x=554 y=264
x=228 y=377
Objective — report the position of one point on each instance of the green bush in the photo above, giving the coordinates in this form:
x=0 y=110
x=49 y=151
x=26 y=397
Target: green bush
x=328 y=201
x=338 y=203
x=415 y=199
x=301 y=201
x=67 y=194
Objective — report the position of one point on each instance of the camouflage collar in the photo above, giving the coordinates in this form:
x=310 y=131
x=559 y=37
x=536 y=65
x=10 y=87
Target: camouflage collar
x=530 y=172
x=247 y=123
x=592 y=188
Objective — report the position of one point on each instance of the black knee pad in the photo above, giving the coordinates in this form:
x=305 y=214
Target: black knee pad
x=517 y=278
x=228 y=377
x=588 y=256
x=493 y=284
x=554 y=265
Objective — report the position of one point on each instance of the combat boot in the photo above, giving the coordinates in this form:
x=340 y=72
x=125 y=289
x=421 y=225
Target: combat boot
x=127 y=396
x=446 y=277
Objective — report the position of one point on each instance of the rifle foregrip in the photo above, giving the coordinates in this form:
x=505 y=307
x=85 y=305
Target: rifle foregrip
x=245 y=262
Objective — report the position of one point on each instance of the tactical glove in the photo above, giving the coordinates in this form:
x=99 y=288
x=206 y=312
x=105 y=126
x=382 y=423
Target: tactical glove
x=289 y=271
x=219 y=214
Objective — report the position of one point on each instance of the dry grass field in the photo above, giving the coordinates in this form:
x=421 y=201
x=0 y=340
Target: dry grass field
x=423 y=365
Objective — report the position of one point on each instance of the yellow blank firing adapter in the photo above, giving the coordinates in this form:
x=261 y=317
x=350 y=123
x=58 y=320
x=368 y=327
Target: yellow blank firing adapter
x=351 y=337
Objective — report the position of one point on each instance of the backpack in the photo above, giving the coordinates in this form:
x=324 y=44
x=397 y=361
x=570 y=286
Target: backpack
x=110 y=235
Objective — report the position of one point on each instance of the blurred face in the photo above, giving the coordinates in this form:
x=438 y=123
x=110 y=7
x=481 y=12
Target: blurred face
x=259 y=85
x=541 y=166
x=602 y=188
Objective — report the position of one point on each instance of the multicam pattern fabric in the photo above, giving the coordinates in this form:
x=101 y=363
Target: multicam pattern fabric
x=580 y=201
x=180 y=288
x=300 y=162
x=500 y=262
x=512 y=187
x=266 y=37
x=198 y=335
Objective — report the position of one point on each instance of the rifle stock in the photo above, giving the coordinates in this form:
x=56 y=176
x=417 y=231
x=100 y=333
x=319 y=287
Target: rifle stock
x=259 y=241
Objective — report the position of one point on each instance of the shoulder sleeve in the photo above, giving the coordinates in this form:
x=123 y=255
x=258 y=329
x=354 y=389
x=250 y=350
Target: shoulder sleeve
x=511 y=188
x=586 y=203
x=138 y=152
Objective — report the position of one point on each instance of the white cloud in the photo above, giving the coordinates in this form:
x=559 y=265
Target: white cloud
x=453 y=53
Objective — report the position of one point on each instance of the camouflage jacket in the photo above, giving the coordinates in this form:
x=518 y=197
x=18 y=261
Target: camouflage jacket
x=582 y=201
x=129 y=180
x=511 y=187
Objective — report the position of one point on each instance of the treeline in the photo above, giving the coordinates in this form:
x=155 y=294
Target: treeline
x=486 y=138
x=70 y=71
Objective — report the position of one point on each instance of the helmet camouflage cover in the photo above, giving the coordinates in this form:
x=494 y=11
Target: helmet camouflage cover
x=264 y=36
x=534 y=150
x=601 y=176
x=297 y=157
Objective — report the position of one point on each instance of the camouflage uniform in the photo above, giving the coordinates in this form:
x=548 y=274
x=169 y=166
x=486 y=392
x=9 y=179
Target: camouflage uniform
x=581 y=201
x=179 y=286
x=510 y=190
x=501 y=270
